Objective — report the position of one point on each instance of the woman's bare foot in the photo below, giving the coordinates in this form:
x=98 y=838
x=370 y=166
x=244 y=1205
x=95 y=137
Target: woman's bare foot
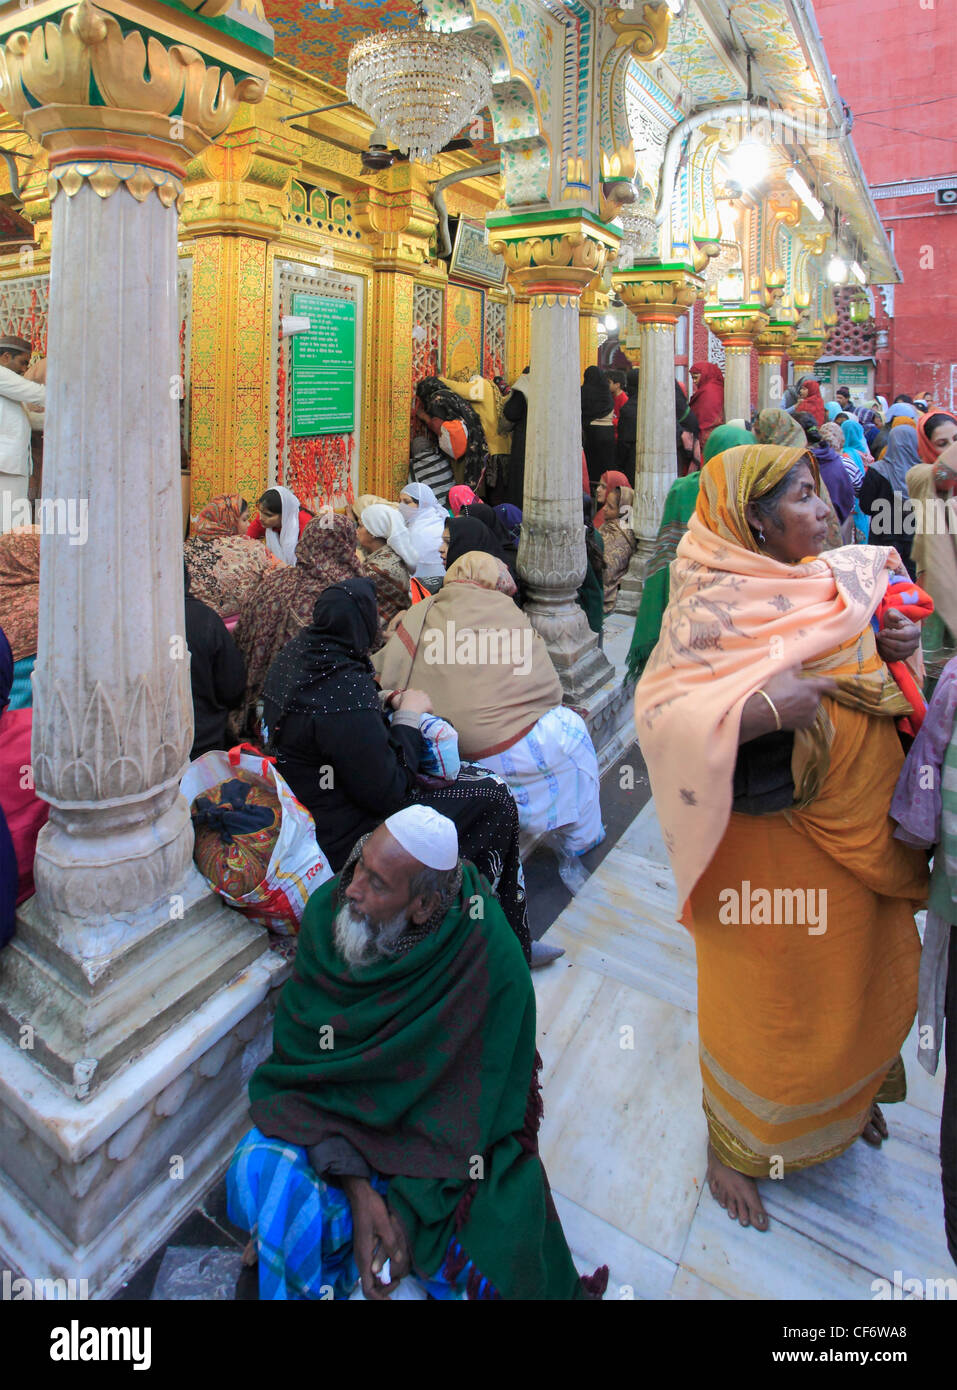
x=875 y=1131
x=251 y=1253
x=736 y=1193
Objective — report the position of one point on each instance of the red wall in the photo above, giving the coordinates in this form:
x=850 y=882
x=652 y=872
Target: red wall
x=896 y=67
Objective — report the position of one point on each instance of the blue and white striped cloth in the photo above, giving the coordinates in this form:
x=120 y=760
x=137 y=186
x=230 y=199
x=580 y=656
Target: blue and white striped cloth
x=302 y=1225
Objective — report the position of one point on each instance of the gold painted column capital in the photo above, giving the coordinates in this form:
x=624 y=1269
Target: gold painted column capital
x=241 y=184
x=125 y=92
x=399 y=218
x=737 y=329
x=773 y=342
x=552 y=256
x=805 y=350
x=658 y=294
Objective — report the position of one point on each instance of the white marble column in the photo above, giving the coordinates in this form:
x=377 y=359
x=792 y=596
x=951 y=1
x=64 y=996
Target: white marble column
x=656 y=459
x=769 y=382
x=551 y=554
x=658 y=297
x=112 y=721
x=737 y=381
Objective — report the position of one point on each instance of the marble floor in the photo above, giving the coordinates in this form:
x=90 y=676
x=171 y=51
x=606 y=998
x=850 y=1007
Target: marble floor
x=624 y=1135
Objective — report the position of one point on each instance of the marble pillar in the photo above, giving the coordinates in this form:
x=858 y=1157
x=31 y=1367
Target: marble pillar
x=771 y=346
x=552 y=261
x=128 y=988
x=737 y=329
x=551 y=552
x=657 y=297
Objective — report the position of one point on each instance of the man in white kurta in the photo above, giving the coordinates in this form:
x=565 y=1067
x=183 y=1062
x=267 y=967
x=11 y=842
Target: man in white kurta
x=17 y=398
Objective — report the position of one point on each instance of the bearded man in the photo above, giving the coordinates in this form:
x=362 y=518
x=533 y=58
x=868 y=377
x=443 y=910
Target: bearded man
x=397 y=1118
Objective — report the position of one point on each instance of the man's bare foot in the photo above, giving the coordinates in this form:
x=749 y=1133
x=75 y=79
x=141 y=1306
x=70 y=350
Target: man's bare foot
x=875 y=1131
x=736 y=1193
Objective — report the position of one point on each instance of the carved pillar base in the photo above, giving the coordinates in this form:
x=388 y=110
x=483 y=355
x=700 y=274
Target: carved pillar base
x=86 y=1013
x=89 y=1189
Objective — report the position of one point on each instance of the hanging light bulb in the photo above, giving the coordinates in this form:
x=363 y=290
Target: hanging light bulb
x=749 y=162
x=611 y=323
x=837 y=270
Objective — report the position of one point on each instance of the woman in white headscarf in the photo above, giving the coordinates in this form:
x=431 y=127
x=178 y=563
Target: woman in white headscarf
x=281 y=522
x=425 y=519
x=390 y=559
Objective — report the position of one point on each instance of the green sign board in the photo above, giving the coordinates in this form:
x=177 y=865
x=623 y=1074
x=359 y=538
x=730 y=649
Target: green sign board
x=324 y=366
x=822 y=372
x=852 y=373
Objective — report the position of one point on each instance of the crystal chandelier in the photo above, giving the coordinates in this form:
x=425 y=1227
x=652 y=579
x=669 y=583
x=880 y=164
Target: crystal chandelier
x=640 y=233
x=419 y=85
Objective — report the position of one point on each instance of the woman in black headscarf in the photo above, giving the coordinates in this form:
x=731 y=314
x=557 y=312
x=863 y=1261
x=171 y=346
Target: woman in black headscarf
x=598 y=423
x=351 y=769
x=464 y=533
x=489 y=517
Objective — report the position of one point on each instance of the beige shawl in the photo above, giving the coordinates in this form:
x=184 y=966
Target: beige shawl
x=477 y=657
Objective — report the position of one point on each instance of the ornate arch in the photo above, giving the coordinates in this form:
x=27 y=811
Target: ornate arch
x=518 y=127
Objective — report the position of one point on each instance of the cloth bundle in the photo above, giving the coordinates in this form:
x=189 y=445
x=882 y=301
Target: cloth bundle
x=236 y=826
x=440 y=748
x=911 y=600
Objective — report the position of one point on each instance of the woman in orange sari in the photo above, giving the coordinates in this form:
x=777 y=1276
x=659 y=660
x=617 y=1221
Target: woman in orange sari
x=766 y=719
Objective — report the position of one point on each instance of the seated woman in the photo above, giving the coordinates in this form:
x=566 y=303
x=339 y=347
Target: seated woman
x=465 y=535
x=217 y=674
x=390 y=559
x=511 y=518
x=460 y=496
x=349 y=768
x=22 y=813
x=618 y=540
x=425 y=519
x=224 y=565
x=281 y=522
x=497 y=686
x=282 y=605
x=20 y=607
x=611 y=478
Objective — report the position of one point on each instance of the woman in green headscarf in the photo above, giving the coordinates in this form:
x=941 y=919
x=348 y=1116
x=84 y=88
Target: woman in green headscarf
x=679 y=508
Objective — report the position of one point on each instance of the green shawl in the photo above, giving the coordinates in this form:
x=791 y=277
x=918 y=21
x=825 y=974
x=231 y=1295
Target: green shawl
x=679 y=507
x=431 y=1074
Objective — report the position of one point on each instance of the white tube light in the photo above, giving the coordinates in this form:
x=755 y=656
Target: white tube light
x=813 y=205
x=858 y=274
x=675 y=6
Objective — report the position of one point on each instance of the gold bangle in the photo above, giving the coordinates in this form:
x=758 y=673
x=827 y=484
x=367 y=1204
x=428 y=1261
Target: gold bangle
x=777 y=717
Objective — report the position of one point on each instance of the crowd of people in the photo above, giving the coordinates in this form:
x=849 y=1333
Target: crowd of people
x=795 y=621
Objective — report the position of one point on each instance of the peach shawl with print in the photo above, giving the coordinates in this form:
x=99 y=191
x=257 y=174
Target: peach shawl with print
x=735 y=618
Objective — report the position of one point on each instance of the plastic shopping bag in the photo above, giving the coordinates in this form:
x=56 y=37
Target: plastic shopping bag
x=297 y=866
